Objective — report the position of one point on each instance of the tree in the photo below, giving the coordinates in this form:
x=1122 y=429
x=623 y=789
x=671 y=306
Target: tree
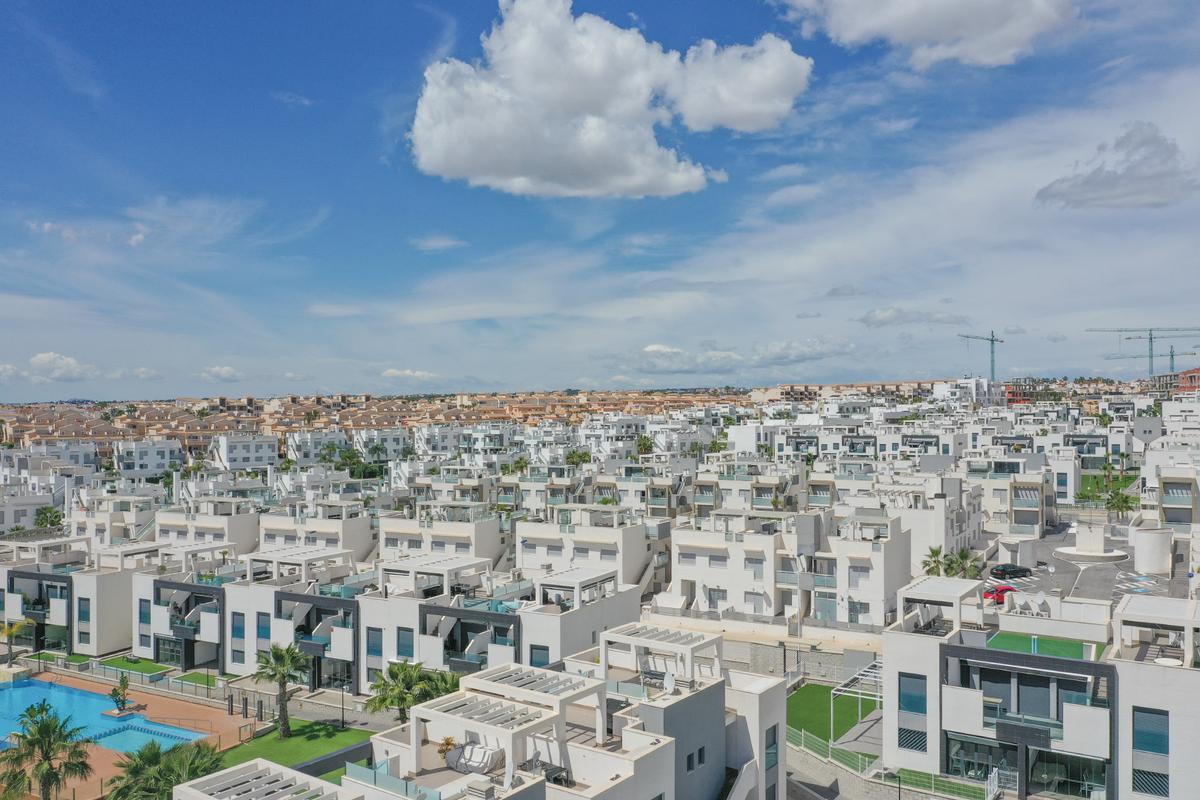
x=403 y=685
x=120 y=693
x=1107 y=469
x=150 y=773
x=1119 y=502
x=377 y=451
x=962 y=564
x=934 y=562
x=281 y=666
x=11 y=629
x=44 y=753
x=645 y=445
x=1104 y=419
x=577 y=458
x=328 y=453
x=520 y=464
x=48 y=517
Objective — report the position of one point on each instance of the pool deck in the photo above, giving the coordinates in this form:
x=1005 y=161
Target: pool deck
x=220 y=729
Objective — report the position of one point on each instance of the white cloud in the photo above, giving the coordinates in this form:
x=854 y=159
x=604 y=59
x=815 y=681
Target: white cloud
x=845 y=290
x=985 y=33
x=783 y=172
x=53 y=367
x=436 y=243
x=894 y=125
x=296 y=376
x=661 y=359
x=566 y=106
x=136 y=373
x=292 y=99
x=884 y=317
x=408 y=374
x=8 y=373
x=808 y=314
x=221 y=374
x=1141 y=168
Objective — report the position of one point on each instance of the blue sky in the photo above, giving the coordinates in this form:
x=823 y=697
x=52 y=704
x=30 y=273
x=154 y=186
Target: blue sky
x=394 y=197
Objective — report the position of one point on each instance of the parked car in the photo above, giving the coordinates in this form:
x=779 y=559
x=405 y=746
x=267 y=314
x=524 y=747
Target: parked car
x=997 y=593
x=1006 y=571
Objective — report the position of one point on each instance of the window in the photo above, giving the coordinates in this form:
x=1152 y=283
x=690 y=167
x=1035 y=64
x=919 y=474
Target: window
x=691 y=762
x=404 y=642
x=700 y=756
x=85 y=609
x=374 y=642
x=143 y=640
x=539 y=655
x=772 y=752
x=910 y=739
x=553 y=550
x=718 y=561
x=581 y=552
x=391 y=541
x=264 y=626
x=143 y=612
x=84 y=637
x=688 y=559
x=608 y=555
x=528 y=547
x=238 y=624
x=771 y=792
x=239 y=656
x=912 y=693
x=1150 y=733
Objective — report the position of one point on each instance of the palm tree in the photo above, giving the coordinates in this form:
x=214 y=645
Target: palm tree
x=1108 y=471
x=645 y=445
x=46 y=751
x=403 y=685
x=10 y=630
x=281 y=666
x=377 y=451
x=934 y=563
x=150 y=773
x=1119 y=502
x=962 y=564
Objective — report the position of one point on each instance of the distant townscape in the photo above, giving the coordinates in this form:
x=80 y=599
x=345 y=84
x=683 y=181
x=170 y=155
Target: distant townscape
x=967 y=587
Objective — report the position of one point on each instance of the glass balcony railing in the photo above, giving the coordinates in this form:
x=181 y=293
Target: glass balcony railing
x=994 y=713
x=825 y=581
x=787 y=577
x=656 y=501
x=1026 y=502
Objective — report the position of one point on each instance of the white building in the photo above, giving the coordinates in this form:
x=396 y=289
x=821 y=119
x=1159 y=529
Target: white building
x=244 y=451
x=147 y=458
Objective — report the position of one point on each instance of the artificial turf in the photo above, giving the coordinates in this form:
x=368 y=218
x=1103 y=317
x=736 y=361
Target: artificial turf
x=808 y=709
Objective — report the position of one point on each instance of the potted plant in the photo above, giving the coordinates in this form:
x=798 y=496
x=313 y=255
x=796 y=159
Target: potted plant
x=445 y=746
x=120 y=697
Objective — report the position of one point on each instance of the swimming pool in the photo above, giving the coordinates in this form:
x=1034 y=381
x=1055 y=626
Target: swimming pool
x=85 y=708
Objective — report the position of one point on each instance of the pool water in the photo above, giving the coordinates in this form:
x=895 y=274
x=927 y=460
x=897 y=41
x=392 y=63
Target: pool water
x=86 y=709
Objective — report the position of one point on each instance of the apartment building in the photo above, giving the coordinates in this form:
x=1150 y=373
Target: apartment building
x=71 y=599
x=1019 y=494
x=734 y=483
x=243 y=451
x=147 y=458
x=110 y=519
x=597 y=535
x=306 y=448
x=228 y=521
x=19 y=507
x=382 y=444
x=646 y=488
x=318 y=522
x=611 y=436
x=453 y=613
x=444 y=528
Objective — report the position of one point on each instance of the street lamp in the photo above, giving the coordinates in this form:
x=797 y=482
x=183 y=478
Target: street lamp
x=342 y=684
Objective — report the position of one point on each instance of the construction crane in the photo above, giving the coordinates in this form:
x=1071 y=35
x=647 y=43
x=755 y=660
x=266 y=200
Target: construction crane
x=991 y=340
x=1171 y=354
x=1149 y=334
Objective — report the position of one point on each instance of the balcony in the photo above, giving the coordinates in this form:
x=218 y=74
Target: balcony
x=825 y=581
x=765 y=503
x=1026 y=502
x=506 y=498
x=787 y=577
x=1176 y=497
x=994 y=712
x=660 y=502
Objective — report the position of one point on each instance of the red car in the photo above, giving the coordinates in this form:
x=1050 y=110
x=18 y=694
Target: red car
x=997 y=593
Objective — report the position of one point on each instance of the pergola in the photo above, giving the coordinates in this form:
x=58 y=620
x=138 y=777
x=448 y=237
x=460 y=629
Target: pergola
x=866 y=684
x=303 y=559
x=509 y=722
x=683 y=646
x=259 y=780
x=543 y=687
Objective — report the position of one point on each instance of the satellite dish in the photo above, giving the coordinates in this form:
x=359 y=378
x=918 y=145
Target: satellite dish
x=669 y=682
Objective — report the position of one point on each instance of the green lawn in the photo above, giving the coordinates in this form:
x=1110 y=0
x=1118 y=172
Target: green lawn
x=808 y=709
x=74 y=658
x=1046 y=645
x=201 y=678
x=143 y=666
x=308 y=740
x=1095 y=483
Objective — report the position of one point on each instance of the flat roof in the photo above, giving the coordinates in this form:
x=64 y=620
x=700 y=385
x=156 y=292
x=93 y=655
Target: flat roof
x=297 y=555
x=434 y=562
x=533 y=684
x=1178 y=611
x=652 y=634
x=262 y=780
x=575 y=576
x=935 y=587
x=483 y=710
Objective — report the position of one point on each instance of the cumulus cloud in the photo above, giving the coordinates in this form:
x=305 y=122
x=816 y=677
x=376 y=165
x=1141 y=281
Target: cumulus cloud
x=292 y=99
x=568 y=106
x=892 y=315
x=221 y=374
x=136 y=373
x=52 y=367
x=1141 y=168
x=661 y=359
x=436 y=243
x=986 y=33
x=408 y=374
